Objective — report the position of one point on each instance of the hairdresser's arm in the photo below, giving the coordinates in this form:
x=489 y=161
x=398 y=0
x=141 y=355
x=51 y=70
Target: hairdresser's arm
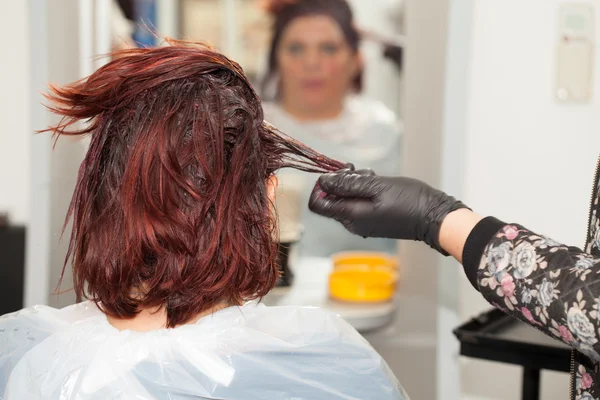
x=531 y=277
x=535 y=279
x=455 y=230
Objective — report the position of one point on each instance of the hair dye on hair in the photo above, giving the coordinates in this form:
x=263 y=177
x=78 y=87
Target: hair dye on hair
x=170 y=207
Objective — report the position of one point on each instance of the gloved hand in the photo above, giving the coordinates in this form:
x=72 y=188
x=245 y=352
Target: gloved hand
x=378 y=206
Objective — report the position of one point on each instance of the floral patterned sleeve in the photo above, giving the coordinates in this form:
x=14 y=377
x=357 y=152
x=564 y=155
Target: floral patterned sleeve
x=555 y=288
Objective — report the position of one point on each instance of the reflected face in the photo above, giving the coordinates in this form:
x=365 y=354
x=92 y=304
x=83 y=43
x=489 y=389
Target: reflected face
x=315 y=62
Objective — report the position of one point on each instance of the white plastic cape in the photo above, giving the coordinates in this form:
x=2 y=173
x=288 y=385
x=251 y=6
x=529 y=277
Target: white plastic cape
x=248 y=352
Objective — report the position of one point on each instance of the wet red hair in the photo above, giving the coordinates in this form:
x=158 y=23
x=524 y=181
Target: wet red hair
x=171 y=206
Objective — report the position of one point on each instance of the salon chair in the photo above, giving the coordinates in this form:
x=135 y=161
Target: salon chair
x=12 y=266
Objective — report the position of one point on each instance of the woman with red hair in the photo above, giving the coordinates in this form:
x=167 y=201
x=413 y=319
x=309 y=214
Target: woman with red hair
x=172 y=240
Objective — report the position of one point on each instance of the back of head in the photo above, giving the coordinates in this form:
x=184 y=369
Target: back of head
x=170 y=207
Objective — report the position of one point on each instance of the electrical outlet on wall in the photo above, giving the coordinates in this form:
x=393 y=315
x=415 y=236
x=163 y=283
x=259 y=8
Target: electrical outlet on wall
x=575 y=53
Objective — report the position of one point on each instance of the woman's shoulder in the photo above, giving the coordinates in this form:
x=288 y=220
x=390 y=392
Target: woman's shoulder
x=374 y=125
x=271 y=110
x=315 y=352
x=50 y=315
x=310 y=330
x=22 y=330
x=269 y=106
x=26 y=329
x=298 y=326
x=374 y=111
x=256 y=314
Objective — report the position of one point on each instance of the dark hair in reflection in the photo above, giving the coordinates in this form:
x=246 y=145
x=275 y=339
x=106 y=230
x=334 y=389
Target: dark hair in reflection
x=285 y=11
x=171 y=206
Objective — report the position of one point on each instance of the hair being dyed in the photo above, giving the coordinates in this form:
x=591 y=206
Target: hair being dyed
x=170 y=207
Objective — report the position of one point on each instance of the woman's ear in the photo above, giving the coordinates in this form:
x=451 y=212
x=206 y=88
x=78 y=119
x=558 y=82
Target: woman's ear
x=359 y=64
x=357 y=68
x=272 y=183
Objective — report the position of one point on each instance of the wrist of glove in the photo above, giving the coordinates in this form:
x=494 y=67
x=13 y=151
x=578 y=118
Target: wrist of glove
x=433 y=224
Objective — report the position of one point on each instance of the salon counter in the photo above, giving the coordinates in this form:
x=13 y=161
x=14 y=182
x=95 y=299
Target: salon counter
x=310 y=288
x=399 y=331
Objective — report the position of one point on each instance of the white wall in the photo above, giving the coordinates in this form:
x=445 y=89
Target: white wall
x=38 y=245
x=63 y=68
x=58 y=39
x=36 y=182
x=381 y=78
x=526 y=158
x=453 y=151
x=15 y=131
x=423 y=105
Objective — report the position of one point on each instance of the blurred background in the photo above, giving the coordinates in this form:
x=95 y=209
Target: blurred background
x=473 y=90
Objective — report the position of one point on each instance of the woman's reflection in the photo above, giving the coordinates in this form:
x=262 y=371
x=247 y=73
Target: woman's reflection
x=312 y=92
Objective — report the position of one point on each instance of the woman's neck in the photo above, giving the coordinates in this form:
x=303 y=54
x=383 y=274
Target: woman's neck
x=153 y=319
x=306 y=114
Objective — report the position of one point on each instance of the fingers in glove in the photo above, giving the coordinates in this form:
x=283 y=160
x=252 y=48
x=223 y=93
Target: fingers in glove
x=364 y=172
x=339 y=208
x=325 y=204
x=349 y=167
x=349 y=185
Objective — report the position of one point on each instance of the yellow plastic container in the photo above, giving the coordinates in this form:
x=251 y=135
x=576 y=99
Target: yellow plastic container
x=363 y=286
x=363 y=260
x=363 y=277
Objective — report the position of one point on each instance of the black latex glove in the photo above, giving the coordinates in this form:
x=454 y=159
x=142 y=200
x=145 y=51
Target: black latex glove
x=378 y=206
